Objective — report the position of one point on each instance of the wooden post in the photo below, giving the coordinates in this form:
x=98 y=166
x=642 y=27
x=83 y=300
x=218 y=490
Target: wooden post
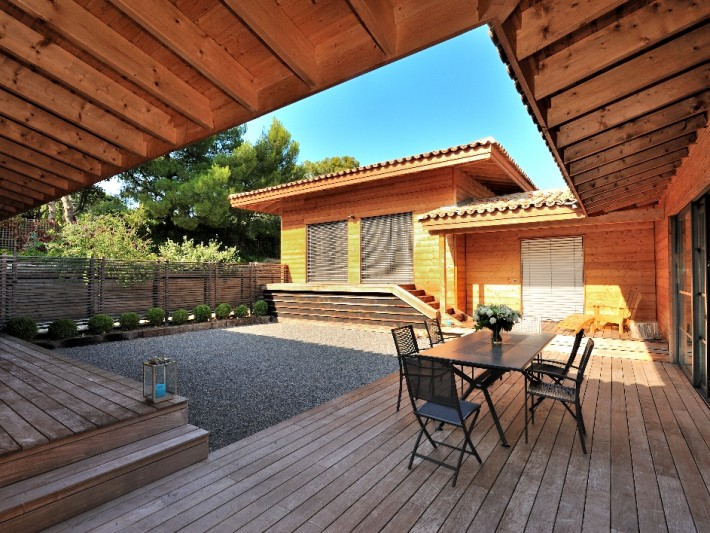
x=3 y=296
x=91 y=288
x=102 y=280
x=442 y=274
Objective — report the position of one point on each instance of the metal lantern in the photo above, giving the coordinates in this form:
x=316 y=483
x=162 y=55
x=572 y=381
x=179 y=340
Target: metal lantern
x=159 y=379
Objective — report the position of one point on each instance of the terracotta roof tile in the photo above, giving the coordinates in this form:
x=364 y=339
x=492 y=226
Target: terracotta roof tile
x=509 y=202
x=394 y=162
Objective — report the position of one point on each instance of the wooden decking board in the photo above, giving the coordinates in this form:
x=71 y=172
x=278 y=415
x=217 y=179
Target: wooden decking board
x=7 y=443
x=36 y=417
x=19 y=429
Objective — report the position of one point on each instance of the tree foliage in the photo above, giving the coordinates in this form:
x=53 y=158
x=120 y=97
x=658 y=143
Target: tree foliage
x=329 y=165
x=188 y=250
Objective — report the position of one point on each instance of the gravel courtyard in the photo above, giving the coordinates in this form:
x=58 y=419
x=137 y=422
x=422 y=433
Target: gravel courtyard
x=242 y=380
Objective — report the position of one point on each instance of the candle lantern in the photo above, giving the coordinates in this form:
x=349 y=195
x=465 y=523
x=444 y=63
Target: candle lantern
x=159 y=379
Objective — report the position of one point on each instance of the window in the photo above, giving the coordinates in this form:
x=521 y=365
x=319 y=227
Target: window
x=327 y=252
x=386 y=249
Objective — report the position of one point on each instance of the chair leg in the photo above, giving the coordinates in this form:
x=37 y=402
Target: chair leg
x=525 y=408
x=401 y=379
x=580 y=427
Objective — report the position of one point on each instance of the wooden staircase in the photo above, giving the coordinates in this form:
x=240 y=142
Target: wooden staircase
x=456 y=317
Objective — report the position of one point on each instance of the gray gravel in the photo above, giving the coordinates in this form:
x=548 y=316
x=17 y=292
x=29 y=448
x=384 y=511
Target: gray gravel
x=242 y=380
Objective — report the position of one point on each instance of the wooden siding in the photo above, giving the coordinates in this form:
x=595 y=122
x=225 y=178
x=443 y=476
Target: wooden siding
x=467 y=187
x=616 y=258
x=693 y=177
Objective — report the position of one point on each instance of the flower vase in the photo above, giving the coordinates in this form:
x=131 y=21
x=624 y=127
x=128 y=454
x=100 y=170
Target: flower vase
x=495 y=336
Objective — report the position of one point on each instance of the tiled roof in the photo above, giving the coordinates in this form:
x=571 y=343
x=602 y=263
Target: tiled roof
x=487 y=141
x=509 y=202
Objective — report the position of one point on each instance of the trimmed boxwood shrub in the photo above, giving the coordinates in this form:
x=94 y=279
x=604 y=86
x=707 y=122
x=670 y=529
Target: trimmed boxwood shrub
x=100 y=324
x=62 y=328
x=180 y=316
x=202 y=313
x=222 y=311
x=156 y=316
x=129 y=321
x=260 y=308
x=241 y=311
x=22 y=327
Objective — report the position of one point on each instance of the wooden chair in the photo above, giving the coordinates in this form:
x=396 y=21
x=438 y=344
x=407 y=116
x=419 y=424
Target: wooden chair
x=620 y=315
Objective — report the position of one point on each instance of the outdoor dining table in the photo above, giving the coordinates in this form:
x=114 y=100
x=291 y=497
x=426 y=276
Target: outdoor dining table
x=477 y=351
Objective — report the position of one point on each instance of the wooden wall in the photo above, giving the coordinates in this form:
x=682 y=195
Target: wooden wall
x=616 y=258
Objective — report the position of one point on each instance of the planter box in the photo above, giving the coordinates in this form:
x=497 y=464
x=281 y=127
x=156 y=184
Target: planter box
x=150 y=331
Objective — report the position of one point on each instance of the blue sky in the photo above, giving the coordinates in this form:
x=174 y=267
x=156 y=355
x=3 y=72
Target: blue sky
x=451 y=94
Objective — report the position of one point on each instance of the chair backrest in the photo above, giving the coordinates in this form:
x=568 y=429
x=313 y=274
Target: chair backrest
x=405 y=341
x=528 y=324
x=585 y=360
x=431 y=380
x=575 y=349
x=433 y=329
x=632 y=301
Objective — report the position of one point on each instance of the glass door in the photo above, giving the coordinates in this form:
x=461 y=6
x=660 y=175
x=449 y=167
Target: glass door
x=700 y=294
x=683 y=259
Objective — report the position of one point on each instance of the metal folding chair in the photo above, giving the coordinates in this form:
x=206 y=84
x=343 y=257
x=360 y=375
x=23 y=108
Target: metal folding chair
x=406 y=344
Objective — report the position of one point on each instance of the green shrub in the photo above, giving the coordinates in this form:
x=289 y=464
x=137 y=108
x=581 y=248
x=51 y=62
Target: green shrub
x=62 y=328
x=222 y=311
x=156 y=316
x=241 y=311
x=100 y=324
x=22 y=327
x=260 y=308
x=129 y=321
x=180 y=316
x=202 y=313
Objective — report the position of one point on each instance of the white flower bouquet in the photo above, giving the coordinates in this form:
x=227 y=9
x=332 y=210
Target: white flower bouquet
x=495 y=318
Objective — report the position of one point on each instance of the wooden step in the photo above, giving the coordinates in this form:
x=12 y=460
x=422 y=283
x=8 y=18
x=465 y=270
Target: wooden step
x=39 y=459
x=41 y=501
x=417 y=292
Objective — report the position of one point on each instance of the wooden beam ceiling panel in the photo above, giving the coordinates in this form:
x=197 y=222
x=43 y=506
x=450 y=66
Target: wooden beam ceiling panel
x=79 y=26
x=32 y=157
x=270 y=24
x=182 y=36
x=645 y=125
x=544 y=23
x=30 y=195
x=629 y=181
x=632 y=187
x=28 y=183
x=634 y=106
x=35 y=49
x=378 y=19
x=632 y=76
x=31 y=171
x=613 y=43
x=54 y=149
x=62 y=102
x=669 y=133
x=626 y=202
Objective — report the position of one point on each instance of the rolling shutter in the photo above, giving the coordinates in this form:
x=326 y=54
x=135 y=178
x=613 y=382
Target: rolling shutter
x=553 y=280
x=327 y=252
x=386 y=249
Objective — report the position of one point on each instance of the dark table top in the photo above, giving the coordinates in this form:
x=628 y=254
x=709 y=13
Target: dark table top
x=476 y=349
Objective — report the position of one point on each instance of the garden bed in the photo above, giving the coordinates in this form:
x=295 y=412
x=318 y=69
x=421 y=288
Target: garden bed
x=149 y=331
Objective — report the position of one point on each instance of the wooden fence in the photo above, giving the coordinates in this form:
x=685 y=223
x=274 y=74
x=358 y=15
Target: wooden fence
x=47 y=288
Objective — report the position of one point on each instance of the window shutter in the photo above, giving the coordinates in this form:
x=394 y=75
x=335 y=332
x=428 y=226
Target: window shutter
x=553 y=280
x=327 y=252
x=386 y=249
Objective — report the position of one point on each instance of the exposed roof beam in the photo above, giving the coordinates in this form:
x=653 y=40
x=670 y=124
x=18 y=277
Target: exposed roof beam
x=614 y=178
x=28 y=196
x=32 y=157
x=32 y=171
x=632 y=76
x=645 y=198
x=615 y=42
x=378 y=19
x=544 y=23
x=496 y=9
x=270 y=24
x=644 y=125
x=34 y=48
x=670 y=167
x=28 y=183
x=20 y=111
x=81 y=27
x=628 y=186
x=186 y=39
x=69 y=106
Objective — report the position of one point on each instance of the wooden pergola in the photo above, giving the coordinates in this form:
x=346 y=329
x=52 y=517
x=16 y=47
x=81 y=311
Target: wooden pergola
x=618 y=88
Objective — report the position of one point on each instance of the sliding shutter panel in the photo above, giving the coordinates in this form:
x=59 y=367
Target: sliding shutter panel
x=386 y=254
x=553 y=280
x=327 y=252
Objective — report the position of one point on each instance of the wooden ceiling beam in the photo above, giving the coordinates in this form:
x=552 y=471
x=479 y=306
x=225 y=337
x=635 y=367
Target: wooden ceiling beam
x=631 y=187
x=34 y=48
x=613 y=43
x=631 y=76
x=23 y=112
x=270 y=24
x=670 y=167
x=544 y=23
x=42 y=92
x=13 y=206
x=28 y=196
x=674 y=158
x=625 y=202
x=499 y=10
x=645 y=125
x=186 y=39
x=656 y=138
x=634 y=106
x=75 y=23
x=54 y=149
x=33 y=172
x=377 y=17
x=32 y=157
x=28 y=183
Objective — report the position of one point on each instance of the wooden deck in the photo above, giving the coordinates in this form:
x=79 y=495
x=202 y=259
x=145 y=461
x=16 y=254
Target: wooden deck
x=343 y=466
